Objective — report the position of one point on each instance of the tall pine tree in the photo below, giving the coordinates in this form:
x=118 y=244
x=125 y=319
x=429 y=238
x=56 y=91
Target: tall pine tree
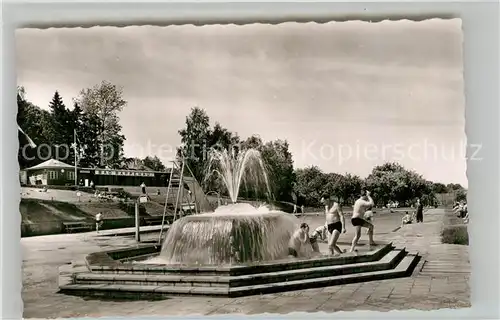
x=61 y=133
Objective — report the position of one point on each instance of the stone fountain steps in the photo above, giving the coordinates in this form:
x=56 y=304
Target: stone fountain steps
x=389 y=261
x=404 y=268
x=275 y=266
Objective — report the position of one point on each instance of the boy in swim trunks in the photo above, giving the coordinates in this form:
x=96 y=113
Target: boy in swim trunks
x=298 y=239
x=335 y=224
x=364 y=203
x=368 y=216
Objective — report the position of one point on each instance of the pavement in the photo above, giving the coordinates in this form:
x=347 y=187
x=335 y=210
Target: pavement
x=128 y=231
x=442 y=283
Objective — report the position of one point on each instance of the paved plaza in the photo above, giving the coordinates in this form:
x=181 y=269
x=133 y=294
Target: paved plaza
x=441 y=280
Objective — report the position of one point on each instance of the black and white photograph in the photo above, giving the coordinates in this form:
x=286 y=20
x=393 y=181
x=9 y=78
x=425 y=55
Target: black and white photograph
x=243 y=169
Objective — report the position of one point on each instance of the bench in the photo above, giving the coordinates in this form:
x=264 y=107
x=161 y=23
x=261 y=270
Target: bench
x=71 y=227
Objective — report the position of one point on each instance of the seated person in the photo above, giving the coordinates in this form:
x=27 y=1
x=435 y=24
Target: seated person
x=318 y=234
x=368 y=216
x=407 y=219
x=299 y=238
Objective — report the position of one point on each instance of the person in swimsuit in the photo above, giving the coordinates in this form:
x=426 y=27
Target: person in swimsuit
x=368 y=216
x=335 y=224
x=298 y=239
x=361 y=205
x=407 y=219
x=318 y=234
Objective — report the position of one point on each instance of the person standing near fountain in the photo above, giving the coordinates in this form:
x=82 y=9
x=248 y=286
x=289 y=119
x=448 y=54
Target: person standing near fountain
x=299 y=238
x=364 y=203
x=98 y=221
x=420 y=211
x=335 y=224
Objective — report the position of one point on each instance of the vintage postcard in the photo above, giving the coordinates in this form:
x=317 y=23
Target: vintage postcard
x=216 y=169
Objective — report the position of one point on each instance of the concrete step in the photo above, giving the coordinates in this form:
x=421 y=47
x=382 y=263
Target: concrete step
x=236 y=270
x=404 y=268
x=389 y=261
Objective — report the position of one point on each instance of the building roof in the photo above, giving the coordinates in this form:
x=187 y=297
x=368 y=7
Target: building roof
x=51 y=164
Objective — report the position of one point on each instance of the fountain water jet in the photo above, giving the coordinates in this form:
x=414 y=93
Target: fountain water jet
x=237 y=233
x=233 y=169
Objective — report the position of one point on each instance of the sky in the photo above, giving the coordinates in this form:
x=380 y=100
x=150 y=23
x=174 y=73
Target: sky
x=347 y=96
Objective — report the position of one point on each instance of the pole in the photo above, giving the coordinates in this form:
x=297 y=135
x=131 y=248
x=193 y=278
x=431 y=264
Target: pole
x=76 y=172
x=181 y=185
x=197 y=184
x=166 y=202
x=137 y=222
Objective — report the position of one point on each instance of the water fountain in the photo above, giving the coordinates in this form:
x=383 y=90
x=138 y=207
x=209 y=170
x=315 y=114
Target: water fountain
x=235 y=233
x=237 y=250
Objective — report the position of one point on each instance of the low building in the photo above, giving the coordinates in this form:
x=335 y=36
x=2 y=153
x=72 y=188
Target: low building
x=121 y=177
x=54 y=172
x=50 y=172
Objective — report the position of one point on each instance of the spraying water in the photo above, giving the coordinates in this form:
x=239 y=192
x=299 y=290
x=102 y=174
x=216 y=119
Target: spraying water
x=245 y=166
x=236 y=233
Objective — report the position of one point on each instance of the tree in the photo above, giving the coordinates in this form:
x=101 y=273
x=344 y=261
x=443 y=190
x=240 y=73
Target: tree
x=194 y=142
x=454 y=187
x=309 y=186
x=392 y=182
x=439 y=188
x=279 y=165
x=103 y=103
x=221 y=138
x=349 y=188
x=461 y=195
x=34 y=122
x=62 y=124
x=153 y=163
x=87 y=137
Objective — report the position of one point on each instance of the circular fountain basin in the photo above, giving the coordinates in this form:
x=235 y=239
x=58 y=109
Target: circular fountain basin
x=232 y=235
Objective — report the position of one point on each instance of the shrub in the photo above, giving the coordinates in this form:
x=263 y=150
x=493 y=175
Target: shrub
x=122 y=194
x=455 y=235
x=129 y=208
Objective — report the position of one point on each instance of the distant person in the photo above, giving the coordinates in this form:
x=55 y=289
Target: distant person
x=302 y=209
x=335 y=224
x=420 y=211
x=294 y=209
x=299 y=238
x=158 y=192
x=143 y=188
x=458 y=207
x=98 y=221
x=466 y=216
x=464 y=212
x=360 y=207
x=92 y=185
x=407 y=219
